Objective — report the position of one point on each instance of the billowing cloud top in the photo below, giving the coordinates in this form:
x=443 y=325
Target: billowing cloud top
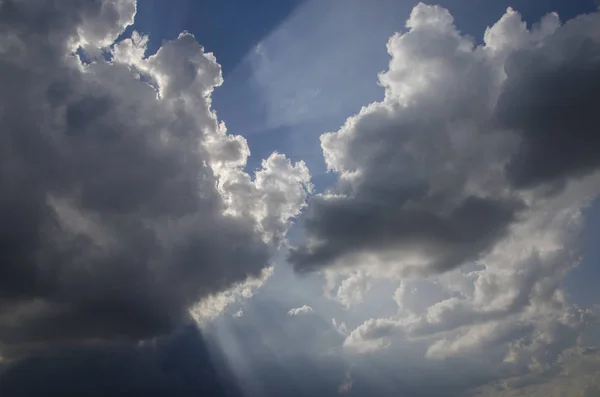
x=121 y=194
x=434 y=176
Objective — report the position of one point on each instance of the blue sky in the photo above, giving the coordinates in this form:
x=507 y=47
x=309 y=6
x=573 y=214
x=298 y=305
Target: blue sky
x=452 y=245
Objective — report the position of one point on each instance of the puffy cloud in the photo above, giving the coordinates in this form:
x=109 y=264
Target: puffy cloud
x=117 y=205
x=305 y=309
x=373 y=334
x=427 y=176
x=458 y=175
x=352 y=290
x=420 y=183
x=510 y=315
x=276 y=194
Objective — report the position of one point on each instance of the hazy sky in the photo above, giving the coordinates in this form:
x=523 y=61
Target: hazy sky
x=303 y=198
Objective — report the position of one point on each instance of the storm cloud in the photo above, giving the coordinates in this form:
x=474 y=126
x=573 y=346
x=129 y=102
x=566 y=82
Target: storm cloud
x=115 y=211
x=550 y=97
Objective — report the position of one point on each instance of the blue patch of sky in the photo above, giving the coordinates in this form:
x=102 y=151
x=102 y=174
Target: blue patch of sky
x=228 y=28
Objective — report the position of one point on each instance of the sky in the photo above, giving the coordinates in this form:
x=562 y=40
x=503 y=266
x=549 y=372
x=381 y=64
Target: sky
x=300 y=198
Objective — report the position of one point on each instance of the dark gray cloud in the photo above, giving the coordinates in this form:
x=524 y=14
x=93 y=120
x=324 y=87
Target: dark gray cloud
x=551 y=99
x=179 y=365
x=111 y=222
x=343 y=227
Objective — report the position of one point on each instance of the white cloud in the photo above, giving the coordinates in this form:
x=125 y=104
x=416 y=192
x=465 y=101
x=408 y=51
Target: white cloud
x=372 y=335
x=352 y=290
x=416 y=170
x=275 y=195
x=340 y=327
x=433 y=182
x=213 y=305
x=305 y=309
x=238 y=314
x=99 y=27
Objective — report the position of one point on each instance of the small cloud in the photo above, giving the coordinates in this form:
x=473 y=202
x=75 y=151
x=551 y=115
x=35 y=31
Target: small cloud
x=353 y=289
x=340 y=327
x=238 y=314
x=213 y=305
x=300 y=310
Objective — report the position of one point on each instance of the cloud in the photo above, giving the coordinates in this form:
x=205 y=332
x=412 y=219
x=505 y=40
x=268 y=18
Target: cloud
x=429 y=178
x=275 y=195
x=549 y=99
x=340 y=327
x=126 y=210
x=419 y=179
x=305 y=309
x=511 y=317
x=372 y=335
x=213 y=305
x=123 y=199
x=458 y=175
x=578 y=376
x=180 y=365
x=352 y=290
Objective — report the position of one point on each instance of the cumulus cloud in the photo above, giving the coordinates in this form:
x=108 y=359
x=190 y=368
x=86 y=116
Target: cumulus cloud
x=305 y=309
x=420 y=181
x=372 y=335
x=352 y=290
x=428 y=177
x=473 y=171
x=275 y=195
x=123 y=199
